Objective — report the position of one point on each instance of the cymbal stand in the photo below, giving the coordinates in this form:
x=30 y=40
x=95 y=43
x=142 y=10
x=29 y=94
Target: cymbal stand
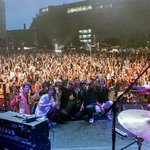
x=137 y=140
x=114 y=111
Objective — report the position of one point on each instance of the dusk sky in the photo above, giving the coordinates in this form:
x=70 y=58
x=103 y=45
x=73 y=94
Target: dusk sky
x=20 y=12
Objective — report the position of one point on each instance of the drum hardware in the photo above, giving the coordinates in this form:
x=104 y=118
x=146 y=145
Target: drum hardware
x=148 y=107
x=137 y=93
x=137 y=122
x=138 y=141
x=120 y=132
x=114 y=111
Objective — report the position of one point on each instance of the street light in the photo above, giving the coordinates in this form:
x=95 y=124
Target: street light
x=35 y=37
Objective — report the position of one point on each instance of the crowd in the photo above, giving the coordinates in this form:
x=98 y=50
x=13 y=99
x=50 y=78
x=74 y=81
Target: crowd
x=95 y=74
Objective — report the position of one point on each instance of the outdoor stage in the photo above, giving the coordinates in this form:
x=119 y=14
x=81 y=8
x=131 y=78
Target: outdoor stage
x=80 y=135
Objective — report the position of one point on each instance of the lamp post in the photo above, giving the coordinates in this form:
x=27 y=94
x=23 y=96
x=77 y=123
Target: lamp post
x=147 y=43
x=35 y=37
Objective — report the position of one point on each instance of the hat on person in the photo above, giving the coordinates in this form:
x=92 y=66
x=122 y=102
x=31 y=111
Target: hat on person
x=71 y=82
x=83 y=82
x=26 y=84
x=98 y=75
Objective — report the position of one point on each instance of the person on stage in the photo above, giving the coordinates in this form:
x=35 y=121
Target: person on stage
x=26 y=98
x=47 y=107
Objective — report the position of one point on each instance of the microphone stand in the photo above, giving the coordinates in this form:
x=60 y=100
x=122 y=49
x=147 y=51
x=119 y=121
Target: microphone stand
x=114 y=111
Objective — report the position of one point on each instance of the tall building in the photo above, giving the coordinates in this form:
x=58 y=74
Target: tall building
x=111 y=21
x=2 y=17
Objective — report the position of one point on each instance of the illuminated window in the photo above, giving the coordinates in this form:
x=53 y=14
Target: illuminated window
x=101 y=6
x=85 y=31
x=85 y=35
x=79 y=9
x=106 y=6
x=110 y=5
x=86 y=41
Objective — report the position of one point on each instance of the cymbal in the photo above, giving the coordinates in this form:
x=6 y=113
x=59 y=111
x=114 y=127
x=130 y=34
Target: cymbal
x=136 y=121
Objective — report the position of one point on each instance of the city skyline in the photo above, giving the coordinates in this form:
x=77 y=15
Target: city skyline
x=20 y=12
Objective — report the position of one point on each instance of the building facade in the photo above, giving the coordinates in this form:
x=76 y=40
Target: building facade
x=2 y=18
x=112 y=21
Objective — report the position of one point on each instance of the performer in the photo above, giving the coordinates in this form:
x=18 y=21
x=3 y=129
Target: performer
x=27 y=99
x=103 y=102
x=47 y=107
x=88 y=98
x=14 y=104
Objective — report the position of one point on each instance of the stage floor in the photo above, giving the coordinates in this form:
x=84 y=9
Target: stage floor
x=80 y=135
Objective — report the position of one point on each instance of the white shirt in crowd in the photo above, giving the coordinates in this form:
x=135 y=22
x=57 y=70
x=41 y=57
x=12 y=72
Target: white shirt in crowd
x=45 y=104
